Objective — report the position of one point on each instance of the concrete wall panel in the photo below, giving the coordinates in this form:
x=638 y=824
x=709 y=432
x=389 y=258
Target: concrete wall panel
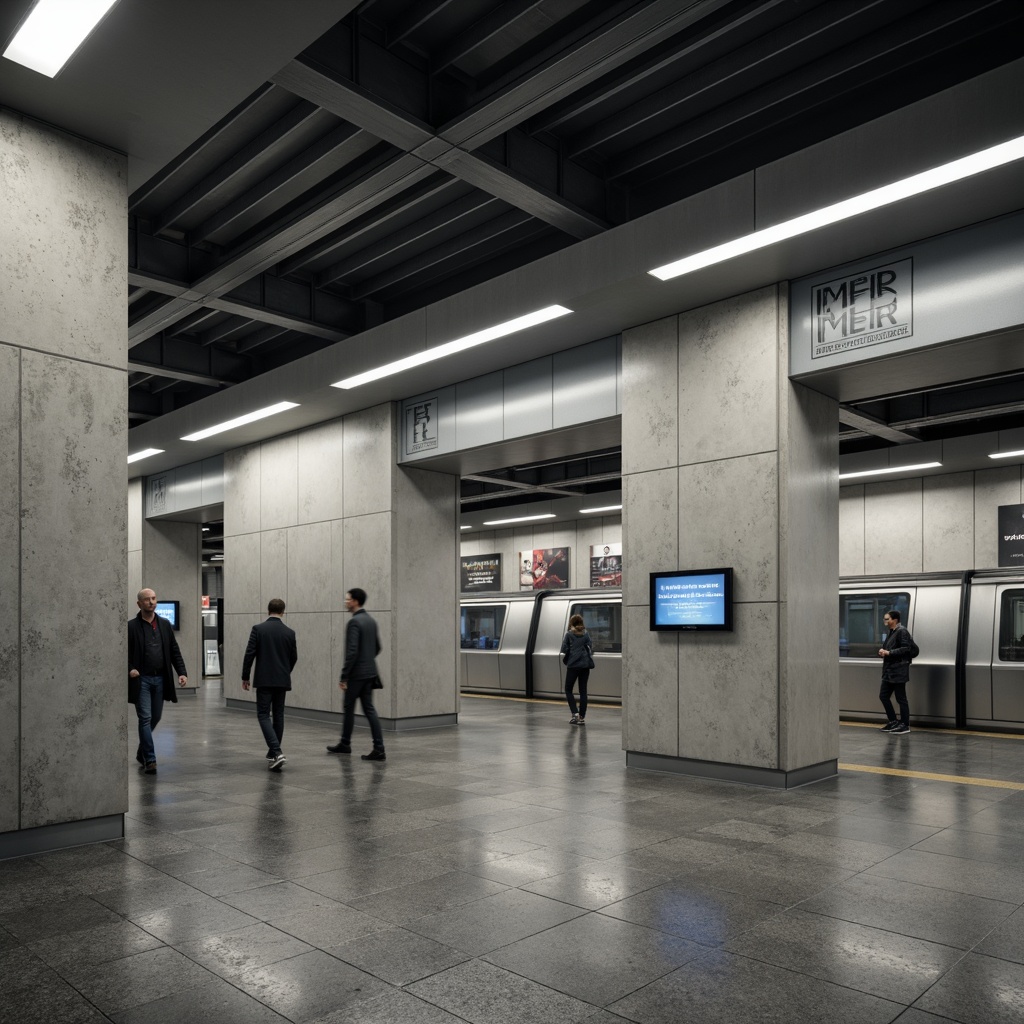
x=273 y=567
x=650 y=380
x=242 y=491
x=368 y=561
x=650 y=688
x=369 y=460
x=650 y=507
x=993 y=487
x=279 y=484
x=242 y=591
x=309 y=568
x=893 y=527
x=321 y=473
x=312 y=679
x=851 y=530
x=948 y=521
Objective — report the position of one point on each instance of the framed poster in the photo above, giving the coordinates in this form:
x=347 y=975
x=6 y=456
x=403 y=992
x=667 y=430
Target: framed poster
x=480 y=573
x=1011 y=535
x=544 y=569
x=606 y=565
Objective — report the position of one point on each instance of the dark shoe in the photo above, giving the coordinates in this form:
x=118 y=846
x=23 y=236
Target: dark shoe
x=339 y=748
x=889 y=726
x=151 y=768
x=270 y=756
x=140 y=758
x=375 y=755
x=582 y=721
x=277 y=764
x=899 y=729
x=575 y=720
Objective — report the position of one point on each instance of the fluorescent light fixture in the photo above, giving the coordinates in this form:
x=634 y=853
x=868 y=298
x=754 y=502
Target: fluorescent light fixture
x=1008 y=455
x=50 y=35
x=465 y=527
x=206 y=529
x=521 y=323
x=946 y=174
x=604 y=508
x=144 y=454
x=890 y=469
x=240 y=421
x=214 y=558
x=521 y=519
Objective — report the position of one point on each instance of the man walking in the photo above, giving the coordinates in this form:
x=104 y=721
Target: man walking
x=896 y=652
x=153 y=659
x=272 y=646
x=359 y=676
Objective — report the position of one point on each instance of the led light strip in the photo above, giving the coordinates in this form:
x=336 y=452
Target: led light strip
x=240 y=421
x=52 y=33
x=890 y=469
x=521 y=519
x=144 y=454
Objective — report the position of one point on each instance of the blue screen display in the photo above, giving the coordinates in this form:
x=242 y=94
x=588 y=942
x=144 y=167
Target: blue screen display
x=692 y=600
x=168 y=610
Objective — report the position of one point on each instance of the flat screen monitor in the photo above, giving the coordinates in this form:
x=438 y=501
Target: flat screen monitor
x=170 y=611
x=692 y=599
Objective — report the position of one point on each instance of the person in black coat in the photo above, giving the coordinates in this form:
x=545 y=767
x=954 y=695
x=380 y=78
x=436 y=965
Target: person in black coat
x=153 y=659
x=895 y=652
x=577 y=656
x=272 y=646
x=359 y=676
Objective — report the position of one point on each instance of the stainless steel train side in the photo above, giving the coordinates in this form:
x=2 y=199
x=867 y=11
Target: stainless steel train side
x=510 y=643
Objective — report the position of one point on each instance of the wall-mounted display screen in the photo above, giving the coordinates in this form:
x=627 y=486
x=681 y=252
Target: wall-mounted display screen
x=170 y=611
x=692 y=599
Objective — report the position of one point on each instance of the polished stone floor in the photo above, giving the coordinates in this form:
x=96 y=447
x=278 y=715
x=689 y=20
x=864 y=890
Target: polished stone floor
x=513 y=869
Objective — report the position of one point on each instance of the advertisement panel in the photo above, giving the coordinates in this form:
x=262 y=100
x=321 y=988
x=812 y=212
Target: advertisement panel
x=480 y=573
x=544 y=569
x=606 y=565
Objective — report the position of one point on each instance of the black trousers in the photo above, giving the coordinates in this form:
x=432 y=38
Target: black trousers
x=361 y=690
x=270 y=701
x=572 y=677
x=900 y=689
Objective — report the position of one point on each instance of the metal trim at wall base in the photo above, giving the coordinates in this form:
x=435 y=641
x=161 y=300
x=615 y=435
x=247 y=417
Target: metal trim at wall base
x=62 y=836
x=746 y=775
x=335 y=717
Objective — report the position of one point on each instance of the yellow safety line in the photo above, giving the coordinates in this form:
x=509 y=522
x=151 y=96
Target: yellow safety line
x=964 y=780
x=944 y=731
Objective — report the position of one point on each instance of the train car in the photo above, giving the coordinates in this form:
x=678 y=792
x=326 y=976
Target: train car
x=970 y=628
x=510 y=643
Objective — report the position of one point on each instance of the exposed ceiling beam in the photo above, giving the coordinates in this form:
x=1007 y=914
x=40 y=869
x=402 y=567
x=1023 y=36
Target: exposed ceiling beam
x=876 y=427
x=259 y=337
x=414 y=17
x=485 y=28
x=168 y=372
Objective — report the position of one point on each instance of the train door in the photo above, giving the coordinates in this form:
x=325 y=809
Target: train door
x=861 y=632
x=1008 y=655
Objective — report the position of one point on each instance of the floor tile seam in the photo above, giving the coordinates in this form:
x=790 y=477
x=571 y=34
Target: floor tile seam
x=940 y=888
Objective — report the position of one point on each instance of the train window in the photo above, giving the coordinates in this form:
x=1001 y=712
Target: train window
x=1011 y=626
x=861 y=630
x=604 y=624
x=481 y=626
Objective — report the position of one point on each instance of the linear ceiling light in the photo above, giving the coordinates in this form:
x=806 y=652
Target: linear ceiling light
x=605 y=508
x=1007 y=455
x=890 y=469
x=465 y=527
x=249 y=417
x=520 y=323
x=946 y=174
x=144 y=454
x=521 y=519
x=50 y=35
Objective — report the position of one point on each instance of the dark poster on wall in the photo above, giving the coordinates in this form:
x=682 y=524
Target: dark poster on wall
x=1011 y=535
x=480 y=573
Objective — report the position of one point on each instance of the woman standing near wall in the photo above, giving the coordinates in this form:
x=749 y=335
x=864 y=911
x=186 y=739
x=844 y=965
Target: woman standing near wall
x=577 y=656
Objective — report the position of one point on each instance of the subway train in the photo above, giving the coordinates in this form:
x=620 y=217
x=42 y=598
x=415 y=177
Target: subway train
x=969 y=626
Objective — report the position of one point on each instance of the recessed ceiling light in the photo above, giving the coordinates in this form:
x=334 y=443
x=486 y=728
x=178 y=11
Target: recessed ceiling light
x=946 y=174
x=521 y=323
x=889 y=469
x=240 y=421
x=145 y=454
x=465 y=527
x=1007 y=455
x=604 y=508
x=50 y=35
x=521 y=519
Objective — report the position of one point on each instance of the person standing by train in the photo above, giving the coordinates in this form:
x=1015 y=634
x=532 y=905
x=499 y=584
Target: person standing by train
x=896 y=652
x=577 y=656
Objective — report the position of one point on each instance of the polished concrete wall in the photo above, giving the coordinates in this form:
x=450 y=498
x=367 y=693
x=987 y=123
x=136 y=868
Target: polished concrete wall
x=578 y=536
x=135 y=583
x=726 y=463
x=311 y=514
x=928 y=524
x=63 y=523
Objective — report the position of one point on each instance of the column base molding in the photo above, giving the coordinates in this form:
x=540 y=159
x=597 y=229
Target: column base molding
x=747 y=775
x=335 y=718
x=61 y=836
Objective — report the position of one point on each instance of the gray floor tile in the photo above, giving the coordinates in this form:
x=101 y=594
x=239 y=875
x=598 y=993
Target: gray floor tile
x=397 y=955
x=978 y=990
x=596 y=885
x=702 y=914
x=394 y=1007
x=485 y=994
x=55 y=1002
x=485 y=924
x=74 y=950
x=990 y=881
x=522 y=868
x=977 y=846
x=899 y=834
x=228 y=878
x=217 y=1002
x=175 y=925
x=727 y=989
x=279 y=900
x=870 y=960
x=407 y=902
x=309 y=986
x=1006 y=940
x=72 y=915
x=142 y=897
x=596 y=958
x=236 y=952
x=328 y=925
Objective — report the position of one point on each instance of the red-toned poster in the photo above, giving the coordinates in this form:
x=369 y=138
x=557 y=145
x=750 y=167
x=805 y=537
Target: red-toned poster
x=544 y=569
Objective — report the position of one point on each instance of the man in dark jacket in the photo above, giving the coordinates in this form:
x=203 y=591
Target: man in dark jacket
x=359 y=676
x=895 y=653
x=153 y=659
x=272 y=646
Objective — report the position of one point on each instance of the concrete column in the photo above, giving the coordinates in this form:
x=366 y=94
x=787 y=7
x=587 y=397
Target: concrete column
x=63 y=352
x=172 y=566
x=727 y=463
x=311 y=514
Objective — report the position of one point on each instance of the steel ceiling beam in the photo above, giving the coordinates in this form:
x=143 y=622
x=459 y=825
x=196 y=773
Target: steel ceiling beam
x=481 y=31
x=168 y=372
x=414 y=17
x=874 y=426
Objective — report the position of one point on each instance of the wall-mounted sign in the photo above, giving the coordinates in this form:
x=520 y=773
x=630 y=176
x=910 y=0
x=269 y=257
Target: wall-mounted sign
x=544 y=569
x=863 y=309
x=606 y=565
x=157 y=495
x=1011 y=535
x=421 y=425
x=480 y=573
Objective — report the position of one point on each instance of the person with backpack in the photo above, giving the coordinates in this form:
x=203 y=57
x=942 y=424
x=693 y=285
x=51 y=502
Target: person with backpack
x=896 y=652
x=577 y=656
